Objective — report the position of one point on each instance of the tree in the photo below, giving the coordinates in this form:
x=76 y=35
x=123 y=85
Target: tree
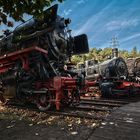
x=76 y=59
x=103 y=54
x=134 y=52
x=124 y=53
x=16 y=8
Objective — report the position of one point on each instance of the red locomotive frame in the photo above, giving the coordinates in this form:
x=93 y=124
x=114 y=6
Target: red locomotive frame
x=7 y=60
x=57 y=85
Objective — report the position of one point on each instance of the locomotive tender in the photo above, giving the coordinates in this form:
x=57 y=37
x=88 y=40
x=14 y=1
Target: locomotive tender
x=32 y=61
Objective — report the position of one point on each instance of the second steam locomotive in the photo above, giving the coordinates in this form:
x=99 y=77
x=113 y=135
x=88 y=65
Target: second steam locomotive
x=115 y=76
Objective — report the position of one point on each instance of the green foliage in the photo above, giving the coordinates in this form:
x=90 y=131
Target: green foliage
x=77 y=58
x=102 y=54
x=134 y=51
x=16 y=9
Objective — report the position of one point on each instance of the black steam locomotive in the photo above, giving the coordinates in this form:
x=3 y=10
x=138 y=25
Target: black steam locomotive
x=37 y=50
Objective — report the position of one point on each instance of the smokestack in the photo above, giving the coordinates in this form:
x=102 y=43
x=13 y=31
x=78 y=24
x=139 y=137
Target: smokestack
x=115 y=52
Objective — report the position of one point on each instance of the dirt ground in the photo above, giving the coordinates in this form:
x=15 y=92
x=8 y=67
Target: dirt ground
x=21 y=130
x=18 y=124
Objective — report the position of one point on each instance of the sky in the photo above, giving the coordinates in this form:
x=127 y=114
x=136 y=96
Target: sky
x=102 y=20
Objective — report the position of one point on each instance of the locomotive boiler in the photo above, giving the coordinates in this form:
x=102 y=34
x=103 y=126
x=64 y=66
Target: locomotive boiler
x=109 y=69
x=113 y=68
x=33 y=57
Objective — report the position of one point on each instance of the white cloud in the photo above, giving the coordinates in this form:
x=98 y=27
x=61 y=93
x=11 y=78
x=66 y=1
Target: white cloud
x=91 y=22
x=121 y=24
x=81 y=1
x=67 y=12
x=130 y=37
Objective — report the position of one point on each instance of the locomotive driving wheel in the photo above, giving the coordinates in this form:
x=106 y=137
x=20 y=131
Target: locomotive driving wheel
x=43 y=102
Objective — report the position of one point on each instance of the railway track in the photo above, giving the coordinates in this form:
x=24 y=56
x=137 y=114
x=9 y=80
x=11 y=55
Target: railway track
x=66 y=112
x=102 y=103
x=88 y=109
x=121 y=101
x=71 y=112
